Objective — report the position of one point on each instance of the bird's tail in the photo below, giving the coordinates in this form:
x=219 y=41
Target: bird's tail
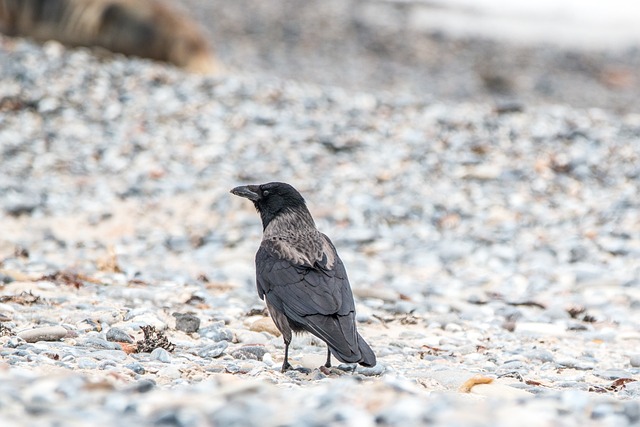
x=368 y=357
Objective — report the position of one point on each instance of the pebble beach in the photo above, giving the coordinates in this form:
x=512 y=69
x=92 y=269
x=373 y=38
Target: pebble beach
x=493 y=249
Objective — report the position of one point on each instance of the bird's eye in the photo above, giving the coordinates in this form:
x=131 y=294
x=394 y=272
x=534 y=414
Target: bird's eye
x=265 y=193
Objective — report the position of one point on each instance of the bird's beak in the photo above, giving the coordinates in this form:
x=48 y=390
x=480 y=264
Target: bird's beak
x=247 y=191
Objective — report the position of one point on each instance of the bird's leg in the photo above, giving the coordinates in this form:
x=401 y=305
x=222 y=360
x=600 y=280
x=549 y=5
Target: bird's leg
x=286 y=365
x=328 y=363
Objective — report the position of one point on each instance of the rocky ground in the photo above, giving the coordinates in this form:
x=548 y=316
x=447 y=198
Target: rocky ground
x=384 y=45
x=492 y=246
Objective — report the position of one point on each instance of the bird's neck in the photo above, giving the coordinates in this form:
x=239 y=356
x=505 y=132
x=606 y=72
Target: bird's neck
x=297 y=218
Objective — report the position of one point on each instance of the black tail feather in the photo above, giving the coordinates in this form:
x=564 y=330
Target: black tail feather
x=368 y=357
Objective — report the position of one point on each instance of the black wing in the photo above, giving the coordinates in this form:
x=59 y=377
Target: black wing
x=318 y=297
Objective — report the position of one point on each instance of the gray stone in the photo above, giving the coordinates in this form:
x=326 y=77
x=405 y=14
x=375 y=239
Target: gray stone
x=613 y=374
x=115 y=355
x=583 y=365
x=539 y=354
x=136 y=367
x=214 y=350
x=107 y=364
x=160 y=354
x=46 y=333
x=632 y=389
x=216 y=332
x=254 y=352
x=374 y=371
x=86 y=363
x=187 y=322
x=97 y=342
x=14 y=342
x=118 y=335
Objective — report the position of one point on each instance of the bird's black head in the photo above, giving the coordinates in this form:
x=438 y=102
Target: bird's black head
x=272 y=199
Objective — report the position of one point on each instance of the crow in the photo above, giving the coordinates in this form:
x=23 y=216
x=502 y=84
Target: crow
x=301 y=277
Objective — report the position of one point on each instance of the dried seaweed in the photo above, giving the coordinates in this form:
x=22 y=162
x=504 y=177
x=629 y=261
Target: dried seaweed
x=66 y=278
x=153 y=339
x=23 y=298
x=109 y=264
x=615 y=386
x=580 y=313
x=69 y=278
x=5 y=331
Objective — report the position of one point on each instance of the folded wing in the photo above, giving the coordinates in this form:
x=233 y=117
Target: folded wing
x=316 y=298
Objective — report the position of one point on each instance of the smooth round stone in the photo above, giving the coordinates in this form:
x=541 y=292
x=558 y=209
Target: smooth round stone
x=214 y=350
x=98 y=342
x=250 y=337
x=143 y=386
x=582 y=365
x=404 y=307
x=373 y=371
x=539 y=354
x=253 y=352
x=634 y=360
x=216 y=332
x=47 y=333
x=161 y=355
x=632 y=389
x=115 y=355
x=170 y=372
x=136 y=367
x=86 y=363
x=148 y=319
x=265 y=325
x=187 y=322
x=118 y=335
x=613 y=374
x=268 y=359
x=107 y=364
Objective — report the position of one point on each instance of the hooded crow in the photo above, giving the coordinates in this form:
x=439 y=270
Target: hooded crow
x=301 y=277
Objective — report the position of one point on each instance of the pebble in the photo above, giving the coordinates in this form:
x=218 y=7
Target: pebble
x=253 y=352
x=612 y=374
x=170 y=372
x=86 y=363
x=214 y=350
x=142 y=386
x=118 y=335
x=540 y=354
x=112 y=355
x=250 y=337
x=461 y=221
x=582 y=365
x=216 y=332
x=161 y=355
x=98 y=342
x=187 y=322
x=265 y=325
x=47 y=333
x=136 y=367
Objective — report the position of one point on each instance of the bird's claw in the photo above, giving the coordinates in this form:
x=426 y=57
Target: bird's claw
x=288 y=367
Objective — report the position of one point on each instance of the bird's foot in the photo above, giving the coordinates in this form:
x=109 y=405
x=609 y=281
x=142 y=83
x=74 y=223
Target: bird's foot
x=287 y=367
